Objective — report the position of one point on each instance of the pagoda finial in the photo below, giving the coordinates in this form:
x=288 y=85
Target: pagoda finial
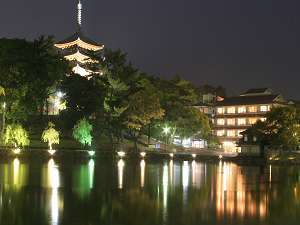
x=79 y=7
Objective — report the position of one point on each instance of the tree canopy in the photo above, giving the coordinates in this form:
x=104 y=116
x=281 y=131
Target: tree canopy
x=280 y=130
x=28 y=71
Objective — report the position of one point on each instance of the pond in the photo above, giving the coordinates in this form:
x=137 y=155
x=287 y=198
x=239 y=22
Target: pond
x=127 y=191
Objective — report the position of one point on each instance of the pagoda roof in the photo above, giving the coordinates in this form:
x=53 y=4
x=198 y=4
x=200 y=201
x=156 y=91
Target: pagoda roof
x=78 y=37
x=249 y=100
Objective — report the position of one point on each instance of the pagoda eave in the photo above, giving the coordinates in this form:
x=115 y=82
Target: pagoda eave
x=80 y=43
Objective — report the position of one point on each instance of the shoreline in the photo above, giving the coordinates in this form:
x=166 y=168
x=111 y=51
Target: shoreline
x=286 y=159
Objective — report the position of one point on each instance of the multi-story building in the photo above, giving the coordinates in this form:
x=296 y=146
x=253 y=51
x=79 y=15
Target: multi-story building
x=236 y=114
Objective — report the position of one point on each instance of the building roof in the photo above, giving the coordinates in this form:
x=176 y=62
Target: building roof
x=252 y=99
x=79 y=35
x=257 y=91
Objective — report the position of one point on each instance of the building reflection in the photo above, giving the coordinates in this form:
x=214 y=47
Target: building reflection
x=121 y=165
x=185 y=181
x=232 y=196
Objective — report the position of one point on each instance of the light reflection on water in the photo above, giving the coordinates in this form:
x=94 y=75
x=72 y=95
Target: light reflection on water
x=121 y=165
x=53 y=183
x=168 y=192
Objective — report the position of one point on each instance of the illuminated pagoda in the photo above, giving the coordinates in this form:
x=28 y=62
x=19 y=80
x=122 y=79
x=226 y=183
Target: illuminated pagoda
x=78 y=47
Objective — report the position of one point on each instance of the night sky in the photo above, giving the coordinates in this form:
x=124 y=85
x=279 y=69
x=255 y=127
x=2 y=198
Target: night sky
x=235 y=43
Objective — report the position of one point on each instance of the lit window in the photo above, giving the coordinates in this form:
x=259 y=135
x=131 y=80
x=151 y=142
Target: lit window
x=230 y=133
x=220 y=133
x=252 y=109
x=231 y=110
x=230 y=121
x=241 y=121
x=242 y=109
x=220 y=122
x=252 y=120
x=264 y=108
x=221 y=110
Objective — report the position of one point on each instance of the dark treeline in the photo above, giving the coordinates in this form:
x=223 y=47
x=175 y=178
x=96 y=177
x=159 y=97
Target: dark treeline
x=121 y=102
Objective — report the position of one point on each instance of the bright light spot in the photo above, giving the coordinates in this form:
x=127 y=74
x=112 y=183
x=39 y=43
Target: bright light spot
x=52 y=152
x=91 y=153
x=142 y=164
x=194 y=155
x=81 y=71
x=185 y=174
x=17 y=151
x=121 y=165
x=60 y=94
x=121 y=154
x=166 y=130
x=16 y=164
x=4 y=105
x=54 y=183
x=220 y=157
x=143 y=154
x=171 y=155
x=91 y=172
x=53 y=174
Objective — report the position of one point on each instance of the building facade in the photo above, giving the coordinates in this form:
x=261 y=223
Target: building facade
x=235 y=114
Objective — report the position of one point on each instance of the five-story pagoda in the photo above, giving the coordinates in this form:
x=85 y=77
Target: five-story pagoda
x=78 y=47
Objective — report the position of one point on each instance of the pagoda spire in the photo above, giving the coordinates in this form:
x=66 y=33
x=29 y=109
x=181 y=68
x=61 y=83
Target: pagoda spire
x=79 y=14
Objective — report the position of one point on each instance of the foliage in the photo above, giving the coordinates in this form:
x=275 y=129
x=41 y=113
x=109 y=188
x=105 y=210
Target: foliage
x=83 y=96
x=2 y=91
x=144 y=108
x=16 y=136
x=177 y=98
x=82 y=132
x=28 y=70
x=50 y=135
x=281 y=130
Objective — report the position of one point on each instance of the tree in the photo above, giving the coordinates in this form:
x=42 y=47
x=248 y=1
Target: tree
x=177 y=98
x=114 y=105
x=144 y=107
x=50 y=135
x=281 y=130
x=2 y=108
x=82 y=132
x=16 y=136
x=83 y=96
x=28 y=71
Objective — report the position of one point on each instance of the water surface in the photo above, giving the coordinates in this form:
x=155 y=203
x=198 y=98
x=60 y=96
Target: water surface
x=129 y=192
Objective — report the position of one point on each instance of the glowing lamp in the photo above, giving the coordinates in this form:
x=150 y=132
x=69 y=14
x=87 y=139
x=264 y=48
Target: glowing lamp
x=17 y=151
x=91 y=153
x=171 y=155
x=220 y=157
x=121 y=154
x=194 y=155
x=143 y=154
x=51 y=152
